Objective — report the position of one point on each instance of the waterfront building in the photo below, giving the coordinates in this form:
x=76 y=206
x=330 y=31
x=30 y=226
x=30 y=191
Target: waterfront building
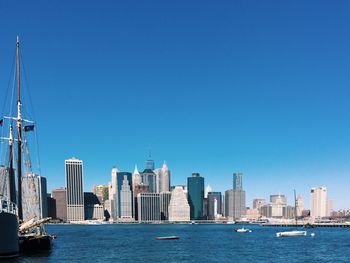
x=238 y=195
x=214 y=205
x=207 y=190
x=329 y=207
x=179 y=209
x=125 y=196
x=101 y=191
x=195 y=186
x=258 y=202
x=34 y=196
x=113 y=189
x=205 y=209
x=93 y=207
x=318 y=202
x=164 y=205
x=299 y=205
x=51 y=207
x=229 y=204
x=60 y=197
x=253 y=214
x=148 y=207
x=288 y=212
x=75 y=191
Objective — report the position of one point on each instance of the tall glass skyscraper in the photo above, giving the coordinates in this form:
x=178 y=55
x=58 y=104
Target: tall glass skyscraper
x=195 y=185
x=75 y=192
x=237 y=181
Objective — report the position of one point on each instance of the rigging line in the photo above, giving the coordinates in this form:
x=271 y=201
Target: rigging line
x=26 y=86
x=33 y=112
x=9 y=83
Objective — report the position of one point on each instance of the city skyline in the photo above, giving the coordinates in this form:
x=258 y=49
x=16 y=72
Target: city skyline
x=235 y=87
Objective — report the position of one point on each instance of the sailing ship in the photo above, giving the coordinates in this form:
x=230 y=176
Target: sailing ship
x=293 y=233
x=13 y=241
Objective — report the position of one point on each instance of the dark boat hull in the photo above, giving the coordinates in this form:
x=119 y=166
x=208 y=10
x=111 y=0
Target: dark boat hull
x=34 y=244
x=8 y=235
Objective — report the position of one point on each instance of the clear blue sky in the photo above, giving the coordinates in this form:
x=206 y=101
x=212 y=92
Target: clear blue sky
x=260 y=87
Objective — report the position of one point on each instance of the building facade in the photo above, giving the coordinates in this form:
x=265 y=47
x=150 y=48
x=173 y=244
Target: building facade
x=179 y=209
x=164 y=205
x=148 y=207
x=195 y=187
x=125 y=196
x=318 y=202
x=214 y=205
x=75 y=191
x=60 y=197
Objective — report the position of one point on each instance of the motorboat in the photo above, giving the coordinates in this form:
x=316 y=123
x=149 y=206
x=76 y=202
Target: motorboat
x=243 y=230
x=168 y=238
x=292 y=233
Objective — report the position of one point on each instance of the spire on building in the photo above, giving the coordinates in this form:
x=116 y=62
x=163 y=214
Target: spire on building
x=135 y=170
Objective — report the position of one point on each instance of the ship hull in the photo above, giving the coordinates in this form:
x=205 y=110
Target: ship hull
x=9 y=235
x=35 y=244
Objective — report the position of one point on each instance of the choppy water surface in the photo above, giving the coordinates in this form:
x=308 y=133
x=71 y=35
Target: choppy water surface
x=197 y=243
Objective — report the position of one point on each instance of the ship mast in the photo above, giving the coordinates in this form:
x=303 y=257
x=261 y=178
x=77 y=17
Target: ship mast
x=19 y=134
x=11 y=171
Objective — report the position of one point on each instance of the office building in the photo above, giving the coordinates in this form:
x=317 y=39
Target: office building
x=125 y=196
x=229 y=204
x=148 y=207
x=238 y=197
x=179 y=209
x=195 y=186
x=164 y=205
x=164 y=179
x=299 y=205
x=207 y=190
x=113 y=189
x=51 y=207
x=34 y=197
x=237 y=181
x=318 y=202
x=60 y=197
x=149 y=178
x=214 y=205
x=93 y=207
x=75 y=190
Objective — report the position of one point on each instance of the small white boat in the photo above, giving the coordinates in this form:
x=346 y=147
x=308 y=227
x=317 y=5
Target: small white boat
x=294 y=233
x=168 y=238
x=243 y=230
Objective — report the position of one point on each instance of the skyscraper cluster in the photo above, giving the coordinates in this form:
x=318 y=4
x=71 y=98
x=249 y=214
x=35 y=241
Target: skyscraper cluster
x=148 y=196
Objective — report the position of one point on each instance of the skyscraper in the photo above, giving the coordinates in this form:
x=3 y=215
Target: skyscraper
x=34 y=196
x=195 y=186
x=229 y=204
x=149 y=178
x=164 y=205
x=101 y=191
x=125 y=196
x=136 y=178
x=75 y=192
x=179 y=209
x=299 y=205
x=214 y=205
x=239 y=204
x=164 y=179
x=148 y=207
x=60 y=195
x=318 y=202
x=237 y=181
x=113 y=189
